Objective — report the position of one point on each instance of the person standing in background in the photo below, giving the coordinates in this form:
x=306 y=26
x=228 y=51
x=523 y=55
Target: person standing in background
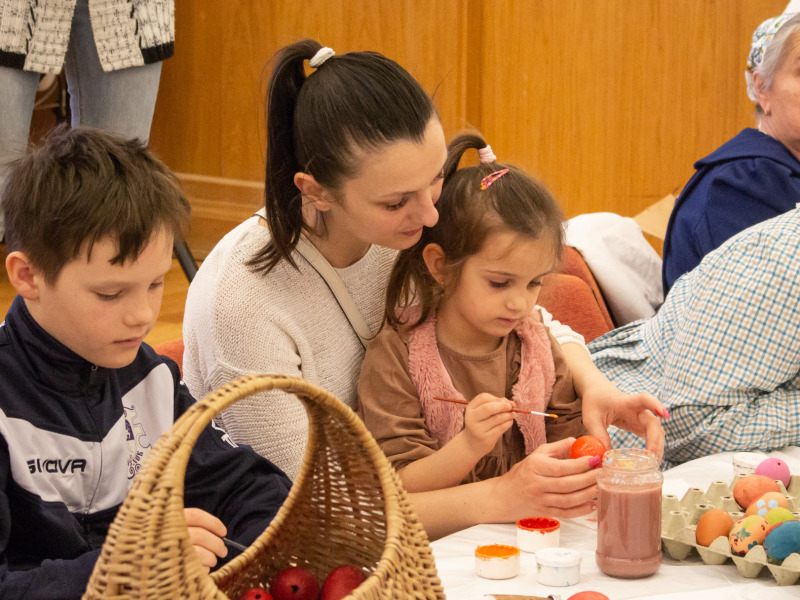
x=111 y=51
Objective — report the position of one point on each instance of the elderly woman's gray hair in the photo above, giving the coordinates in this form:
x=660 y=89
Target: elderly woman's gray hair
x=769 y=50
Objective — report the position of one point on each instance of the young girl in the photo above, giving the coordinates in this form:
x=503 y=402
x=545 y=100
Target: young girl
x=469 y=328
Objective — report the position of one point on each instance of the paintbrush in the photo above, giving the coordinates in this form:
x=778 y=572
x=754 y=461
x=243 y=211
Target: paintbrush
x=235 y=545
x=516 y=410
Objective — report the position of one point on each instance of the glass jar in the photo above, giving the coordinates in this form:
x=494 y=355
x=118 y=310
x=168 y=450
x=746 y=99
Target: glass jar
x=629 y=514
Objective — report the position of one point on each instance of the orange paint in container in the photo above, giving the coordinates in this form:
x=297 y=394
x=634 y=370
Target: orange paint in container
x=497 y=561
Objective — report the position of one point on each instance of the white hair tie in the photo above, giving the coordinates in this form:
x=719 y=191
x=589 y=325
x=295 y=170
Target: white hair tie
x=486 y=155
x=320 y=57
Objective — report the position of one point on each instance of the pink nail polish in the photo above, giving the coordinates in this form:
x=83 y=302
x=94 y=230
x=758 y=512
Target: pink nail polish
x=594 y=461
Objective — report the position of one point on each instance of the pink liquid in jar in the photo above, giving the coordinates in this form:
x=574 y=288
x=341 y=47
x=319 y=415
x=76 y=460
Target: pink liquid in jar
x=629 y=514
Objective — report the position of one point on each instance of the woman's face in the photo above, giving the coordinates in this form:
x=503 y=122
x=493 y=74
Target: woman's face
x=781 y=102
x=393 y=196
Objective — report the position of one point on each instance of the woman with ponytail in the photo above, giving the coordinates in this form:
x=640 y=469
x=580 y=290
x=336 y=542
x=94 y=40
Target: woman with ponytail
x=355 y=154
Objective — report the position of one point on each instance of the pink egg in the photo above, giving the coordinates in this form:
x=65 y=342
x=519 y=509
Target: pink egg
x=774 y=468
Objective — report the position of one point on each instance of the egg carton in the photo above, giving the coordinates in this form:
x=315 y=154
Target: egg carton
x=679 y=521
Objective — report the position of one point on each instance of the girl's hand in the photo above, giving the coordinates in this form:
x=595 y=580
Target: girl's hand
x=549 y=483
x=606 y=405
x=486 y=419
x=206 y=532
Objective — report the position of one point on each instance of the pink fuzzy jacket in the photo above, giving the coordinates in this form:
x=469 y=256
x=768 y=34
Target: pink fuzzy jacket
x=532 y=391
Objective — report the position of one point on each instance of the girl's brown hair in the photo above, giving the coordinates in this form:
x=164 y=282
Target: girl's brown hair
x=468 y=215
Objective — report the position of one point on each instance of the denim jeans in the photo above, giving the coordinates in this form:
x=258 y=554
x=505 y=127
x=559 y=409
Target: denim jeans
x=118 y=101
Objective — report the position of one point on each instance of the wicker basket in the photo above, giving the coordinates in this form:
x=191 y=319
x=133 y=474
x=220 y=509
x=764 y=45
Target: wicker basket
x=347 y=506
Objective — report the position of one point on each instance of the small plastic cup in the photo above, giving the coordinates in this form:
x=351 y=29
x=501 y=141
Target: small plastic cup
x=745 y=463
x=535 y=533
x=558 y=567
x=497 y=561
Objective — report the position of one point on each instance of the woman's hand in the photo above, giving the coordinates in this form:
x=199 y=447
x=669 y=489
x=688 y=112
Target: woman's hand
x=549 y=483
x=206 y=532
x=605 y=405
x=486 y=419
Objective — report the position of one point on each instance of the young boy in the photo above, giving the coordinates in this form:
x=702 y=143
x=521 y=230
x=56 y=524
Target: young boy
x=90 y=220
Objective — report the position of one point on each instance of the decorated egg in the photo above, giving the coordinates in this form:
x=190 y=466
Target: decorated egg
x=712 y=524
x=750 y=488
x=747 y=532
x=774 y=468
x=783 y=540
x=779 y=515
x=766 y=503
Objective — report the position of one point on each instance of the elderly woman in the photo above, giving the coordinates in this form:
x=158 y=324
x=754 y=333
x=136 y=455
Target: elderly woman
x=756 y=175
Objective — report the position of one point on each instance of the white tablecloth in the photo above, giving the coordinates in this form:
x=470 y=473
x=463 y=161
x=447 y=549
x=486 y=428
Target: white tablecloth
x=688 y=579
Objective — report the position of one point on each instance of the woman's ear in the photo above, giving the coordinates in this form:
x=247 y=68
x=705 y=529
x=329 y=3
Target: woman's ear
x=434 y=258
x=23 y=275
x=314 y=193
x=762 y=94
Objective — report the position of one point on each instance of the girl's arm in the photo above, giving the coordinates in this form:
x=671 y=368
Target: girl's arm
x=605 y=405
x=389 y=405
x=487 y=418
x=546 y=482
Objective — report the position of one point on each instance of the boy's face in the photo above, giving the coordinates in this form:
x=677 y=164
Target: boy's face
x=101 y=311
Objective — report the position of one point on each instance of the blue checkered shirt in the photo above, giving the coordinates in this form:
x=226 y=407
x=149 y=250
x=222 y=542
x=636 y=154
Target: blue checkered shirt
x=722 y=353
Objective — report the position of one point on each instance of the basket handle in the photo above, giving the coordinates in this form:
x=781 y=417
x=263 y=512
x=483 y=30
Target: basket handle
x=150 y=531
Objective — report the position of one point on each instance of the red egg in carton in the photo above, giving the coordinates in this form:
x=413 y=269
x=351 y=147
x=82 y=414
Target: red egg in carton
x=679 y=520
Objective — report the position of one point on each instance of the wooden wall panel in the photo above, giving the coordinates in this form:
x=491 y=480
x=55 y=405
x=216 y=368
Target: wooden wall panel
x=609 y=102
x=209 y=115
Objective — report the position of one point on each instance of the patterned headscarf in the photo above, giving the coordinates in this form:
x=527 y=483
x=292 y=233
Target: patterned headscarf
x=761 y=39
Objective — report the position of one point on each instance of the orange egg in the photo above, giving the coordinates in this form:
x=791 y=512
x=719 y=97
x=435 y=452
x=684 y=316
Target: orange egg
x=713 y=524
x=766 y=503
x=752 y=487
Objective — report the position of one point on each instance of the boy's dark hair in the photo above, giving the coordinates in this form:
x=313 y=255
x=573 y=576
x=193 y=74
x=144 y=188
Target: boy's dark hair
x=468 y=215
x=317 y=125
x=82 y=185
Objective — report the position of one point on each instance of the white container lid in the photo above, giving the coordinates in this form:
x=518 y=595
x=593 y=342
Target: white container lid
x=745 y=463
x=558 y=557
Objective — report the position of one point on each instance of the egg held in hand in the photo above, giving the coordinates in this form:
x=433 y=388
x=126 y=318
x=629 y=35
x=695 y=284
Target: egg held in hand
x=587 y=445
